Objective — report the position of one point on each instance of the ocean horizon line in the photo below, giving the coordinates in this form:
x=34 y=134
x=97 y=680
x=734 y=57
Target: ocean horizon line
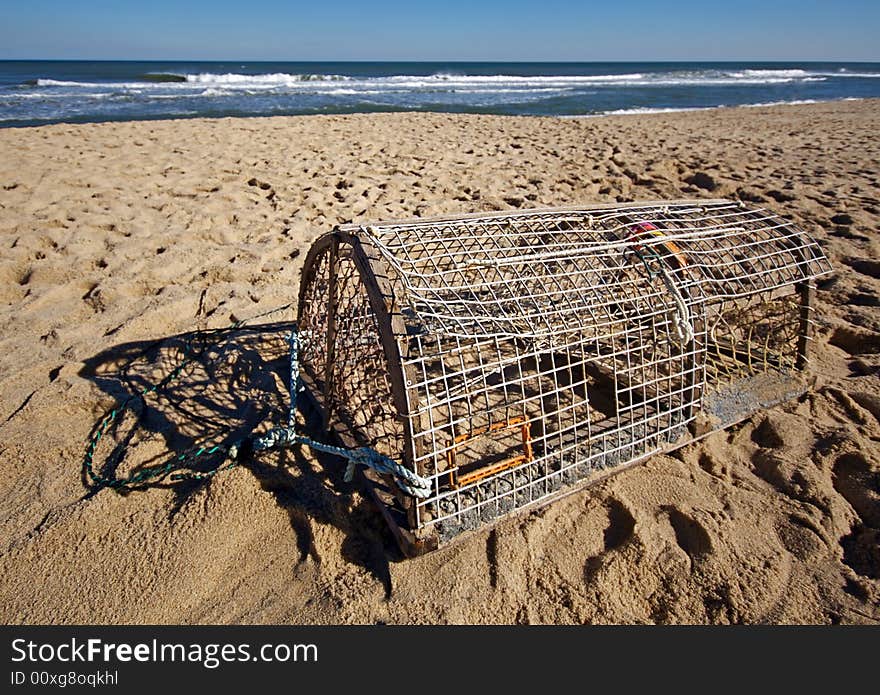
x=695 y=61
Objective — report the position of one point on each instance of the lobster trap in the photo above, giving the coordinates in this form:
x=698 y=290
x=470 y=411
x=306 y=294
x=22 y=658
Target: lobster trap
x=509 y=357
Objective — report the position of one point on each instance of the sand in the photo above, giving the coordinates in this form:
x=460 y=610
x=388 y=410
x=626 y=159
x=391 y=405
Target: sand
x=115 y=235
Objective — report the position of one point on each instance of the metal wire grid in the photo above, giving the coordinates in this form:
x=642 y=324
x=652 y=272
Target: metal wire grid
x=313 y=321
x=473 y=276
x=755 y=335
x=360 y=394
x=546 y=326
x=347 y=363
x=589 y=403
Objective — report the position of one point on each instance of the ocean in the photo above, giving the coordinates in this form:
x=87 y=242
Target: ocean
x=39 y=92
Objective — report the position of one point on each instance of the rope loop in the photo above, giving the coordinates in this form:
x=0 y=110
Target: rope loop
x=655 y=265
x=232 y=454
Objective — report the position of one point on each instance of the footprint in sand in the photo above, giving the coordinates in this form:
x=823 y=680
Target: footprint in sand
x=690 y=535
x=619 y=531
x=865 y=266
x=859 y=483
x=621 y=525
x=855 y=341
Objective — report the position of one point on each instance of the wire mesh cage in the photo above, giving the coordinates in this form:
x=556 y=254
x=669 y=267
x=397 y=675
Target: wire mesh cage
x=511 y=357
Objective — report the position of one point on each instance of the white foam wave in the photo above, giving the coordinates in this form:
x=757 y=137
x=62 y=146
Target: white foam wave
x=638 y=111
x=58 y=97
x=646 y=110
x=500 y=83
x=277 y=78
x=63 y=83
x=214 y=92
x=512 y=90
x=528 y=79
x=665 y=79
x=353 y=92
x=843 y=72
x=106 y=85
x=770 y=73
x=794 y=102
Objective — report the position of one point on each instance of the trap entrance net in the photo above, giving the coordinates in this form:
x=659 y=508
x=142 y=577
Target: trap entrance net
x=509 y=357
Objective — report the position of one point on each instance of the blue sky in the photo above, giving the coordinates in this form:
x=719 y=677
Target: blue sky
x=440 y=30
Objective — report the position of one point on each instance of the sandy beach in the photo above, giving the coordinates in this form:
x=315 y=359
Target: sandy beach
x=118 y=235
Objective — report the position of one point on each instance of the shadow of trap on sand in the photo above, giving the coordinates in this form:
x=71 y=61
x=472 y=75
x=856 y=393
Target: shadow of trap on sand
x=226 y=384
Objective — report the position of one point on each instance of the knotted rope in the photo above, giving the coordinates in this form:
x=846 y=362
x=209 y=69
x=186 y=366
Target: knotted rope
x=233 y=454
x=286 y=438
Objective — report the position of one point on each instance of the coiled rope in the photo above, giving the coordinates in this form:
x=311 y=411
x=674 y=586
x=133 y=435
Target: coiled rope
x=235 y=453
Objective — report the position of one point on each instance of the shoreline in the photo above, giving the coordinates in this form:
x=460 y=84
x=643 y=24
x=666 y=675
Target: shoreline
x=635 y=111
x=648 y=111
